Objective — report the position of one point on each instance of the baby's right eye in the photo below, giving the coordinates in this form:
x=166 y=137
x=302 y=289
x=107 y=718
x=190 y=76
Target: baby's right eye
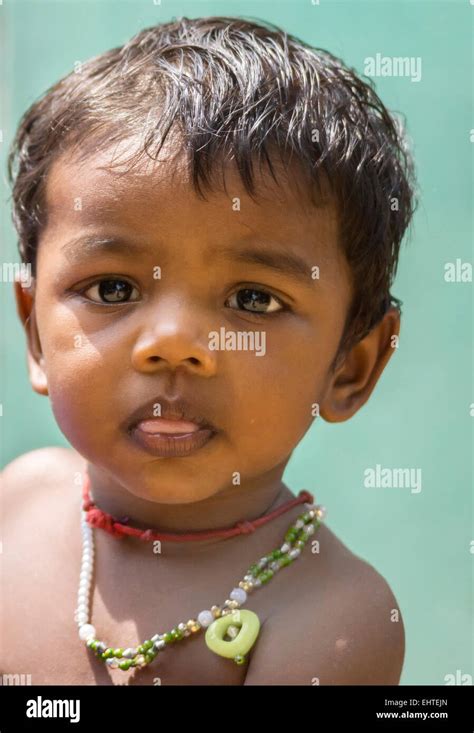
x=111 y=291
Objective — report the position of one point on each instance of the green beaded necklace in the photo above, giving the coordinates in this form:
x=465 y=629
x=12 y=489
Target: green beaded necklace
x=230 y=631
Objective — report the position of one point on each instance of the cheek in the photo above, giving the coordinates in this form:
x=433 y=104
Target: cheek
x=82 y=401
x=277 y=403
x=74 y=360
x=81 y=381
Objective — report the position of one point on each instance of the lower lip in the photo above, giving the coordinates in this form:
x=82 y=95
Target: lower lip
x=171 y=445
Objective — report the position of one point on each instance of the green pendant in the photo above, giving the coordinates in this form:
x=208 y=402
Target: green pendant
x=248 y=624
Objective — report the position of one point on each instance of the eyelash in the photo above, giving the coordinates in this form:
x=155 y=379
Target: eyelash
x=256 y=314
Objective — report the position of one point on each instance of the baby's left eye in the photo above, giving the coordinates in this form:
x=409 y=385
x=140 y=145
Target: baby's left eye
x=111 y=291
x=258 y=300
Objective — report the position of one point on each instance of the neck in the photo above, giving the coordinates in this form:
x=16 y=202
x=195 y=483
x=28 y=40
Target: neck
x=221 y=511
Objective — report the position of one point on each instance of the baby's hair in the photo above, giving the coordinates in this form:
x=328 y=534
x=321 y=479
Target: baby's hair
x=234 y=87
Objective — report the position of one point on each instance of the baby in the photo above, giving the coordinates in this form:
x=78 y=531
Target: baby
x=211 y=216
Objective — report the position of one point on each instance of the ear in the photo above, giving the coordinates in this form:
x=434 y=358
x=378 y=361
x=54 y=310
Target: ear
x=352 y=383
x=25 y=306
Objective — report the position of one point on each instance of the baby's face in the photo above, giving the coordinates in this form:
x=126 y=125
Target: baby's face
x=189 y=269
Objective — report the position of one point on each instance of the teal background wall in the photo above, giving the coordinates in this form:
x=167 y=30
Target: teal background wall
x=420 y=415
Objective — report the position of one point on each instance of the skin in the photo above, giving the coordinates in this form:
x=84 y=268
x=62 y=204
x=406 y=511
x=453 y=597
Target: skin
x=96 y=361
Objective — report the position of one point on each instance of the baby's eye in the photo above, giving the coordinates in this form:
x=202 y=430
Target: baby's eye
x=111 y=291
x=259 y=301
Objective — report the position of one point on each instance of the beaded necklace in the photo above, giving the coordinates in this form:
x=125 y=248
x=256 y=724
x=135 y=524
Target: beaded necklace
x=230 y=631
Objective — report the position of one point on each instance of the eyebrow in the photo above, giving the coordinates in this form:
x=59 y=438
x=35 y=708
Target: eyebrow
x=90 y=245
x=285 y=262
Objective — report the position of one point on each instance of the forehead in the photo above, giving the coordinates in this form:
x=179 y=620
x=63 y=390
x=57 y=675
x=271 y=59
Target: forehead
x=104 y=178
x=156 y=199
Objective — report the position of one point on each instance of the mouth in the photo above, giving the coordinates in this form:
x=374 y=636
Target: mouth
x=172 y=434
x=179 y=445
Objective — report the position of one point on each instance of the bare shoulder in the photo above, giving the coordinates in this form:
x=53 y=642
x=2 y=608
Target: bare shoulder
x=345 y=628
x=37 y=466
x=40 y=507
x=40 y=459
x=35 y=485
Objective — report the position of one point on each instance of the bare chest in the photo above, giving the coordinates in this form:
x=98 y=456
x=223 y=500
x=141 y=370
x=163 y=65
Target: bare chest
x=127 y=608
x=133 y=597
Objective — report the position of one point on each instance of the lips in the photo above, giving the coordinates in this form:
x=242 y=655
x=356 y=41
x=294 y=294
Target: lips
x=166 y=428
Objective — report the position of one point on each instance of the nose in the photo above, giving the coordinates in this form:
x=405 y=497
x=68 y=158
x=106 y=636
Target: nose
x=174 y=340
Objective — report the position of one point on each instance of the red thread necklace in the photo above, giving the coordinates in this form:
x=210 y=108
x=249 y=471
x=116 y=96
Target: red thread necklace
x=101 y=520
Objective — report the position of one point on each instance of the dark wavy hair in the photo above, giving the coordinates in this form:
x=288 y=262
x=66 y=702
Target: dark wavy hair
x=235 y=87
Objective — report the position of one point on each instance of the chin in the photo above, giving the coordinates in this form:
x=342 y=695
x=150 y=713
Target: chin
x=161 y=492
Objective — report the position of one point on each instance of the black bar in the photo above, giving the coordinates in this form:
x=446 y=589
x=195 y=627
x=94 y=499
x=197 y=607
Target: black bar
x=321 y=709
